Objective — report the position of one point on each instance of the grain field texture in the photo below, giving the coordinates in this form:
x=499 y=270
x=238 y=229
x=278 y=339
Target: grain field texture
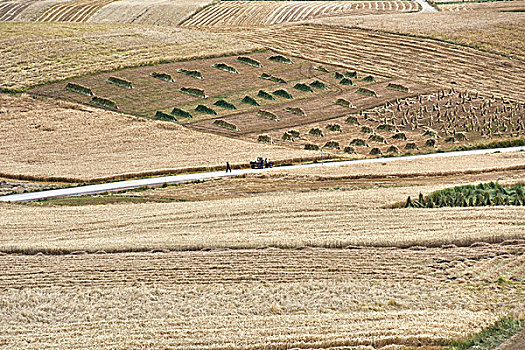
x=157 y=12
x=488 y=27
x=253 y=299
x=73 y=11
x=79 y=143
x=36 y=53
x=263 y=13
x=422 y=60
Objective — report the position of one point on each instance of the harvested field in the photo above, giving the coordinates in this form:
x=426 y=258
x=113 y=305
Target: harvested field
x=157 y=12
x=248 y=299
x=395 y=55
x=488 y=28
x=79 y=49
x=257 y=13
x=452 y=118
x=79 y=143
x=10 y=10
x=73 y=11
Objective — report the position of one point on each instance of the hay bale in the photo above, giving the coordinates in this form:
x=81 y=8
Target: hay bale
x=386 y=127
x=280 y=59
x=400 y=136
x=321 y=69
x=296 y=111
x=358 y=142
x=338 y=75
x=351 y=74
x=270 y=77
x=264 y=139
x=450 y=139
x=311 y=147
x=430 y=143
x=375 y=151
x=225 y=124
x=349 y=149
x=303 y=87
x=393 y=149
x=367 y=92
x=367 y=130
x=461 y=136
x=288 y=137
x=295 y=134
x=250 y=101
x=397 y=87
x=431 y=133
x=120 y=82
x=344 y=103
x=352 y=120
x=377 y=138
x=265 y=95
x=79 y=89
x=334 y=127
x=164 y=116
x=162 y=76
x=346 y=81
x=191 y=73
x=317 y=84
x=181 y=113
x=193 y=92
x=369 y=79
x=316 y=132
x=205 y=109
x=224 y=104
x=267 y=115
x=249 y=61
x=226 y=68
x=332 y=144
x=411 y=146
x=283 y=93
x=104 y=102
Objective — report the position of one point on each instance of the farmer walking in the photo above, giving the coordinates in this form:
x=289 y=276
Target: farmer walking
x=228 y=167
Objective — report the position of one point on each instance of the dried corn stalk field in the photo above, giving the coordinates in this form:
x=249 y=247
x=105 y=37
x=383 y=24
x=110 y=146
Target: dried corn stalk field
x=79 y=143
x=35 y=53
x=252 y=299
x=393 y=55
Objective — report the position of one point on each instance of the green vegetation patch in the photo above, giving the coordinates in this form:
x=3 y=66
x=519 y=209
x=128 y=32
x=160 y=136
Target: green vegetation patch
x=191 y=73
x=265 y=95
x=280 y=59
x=249 y=61
x=400 y=136
x=181 y=113
x=367 y=130
x=225 y=124
x=343 y=102
x=104 y=102
x=283 y=93
x=162 y=76
x=397 y=87
x=317 y=84
x=303 y=87
x=367 y=92
x=334 y=127
x=316 y=132
x=338 y=75
x=205 y=109
x=226 y=68
x=165 y=116
x=79 y=89
x=250 y=101
x=267 y=115
x=296 y=111
x=377 y=138
x=193 y=92
x=358 y=142
x=386 y=127
x=483 y=194
x=332 y=144
x=224 y=104
x=272 y=78
x=351 y=74
x=120 y=82
x=369 y=79
x=349 y=149
x=352 y=120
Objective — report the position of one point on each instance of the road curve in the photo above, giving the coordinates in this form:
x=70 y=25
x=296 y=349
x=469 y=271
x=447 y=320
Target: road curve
x=425 y=6
x=130 y=184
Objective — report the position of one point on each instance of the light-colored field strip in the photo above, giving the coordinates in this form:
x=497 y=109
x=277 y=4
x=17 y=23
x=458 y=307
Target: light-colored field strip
x=9 y=10
x=252 y=299
x=73 y=11
x=419 y=59
x=255 y=13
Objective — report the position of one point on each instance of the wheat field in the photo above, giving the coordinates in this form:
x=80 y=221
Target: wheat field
x=84 y=144
x=36 y=53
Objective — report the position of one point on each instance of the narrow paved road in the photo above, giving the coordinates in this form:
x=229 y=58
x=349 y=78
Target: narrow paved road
x=425 y=6
x=124 y=185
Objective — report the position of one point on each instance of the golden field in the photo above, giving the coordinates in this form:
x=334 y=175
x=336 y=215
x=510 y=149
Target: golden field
x=81 y=144
x=36 y=53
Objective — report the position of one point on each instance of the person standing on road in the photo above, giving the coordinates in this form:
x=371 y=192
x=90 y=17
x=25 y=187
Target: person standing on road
x=228 y=167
